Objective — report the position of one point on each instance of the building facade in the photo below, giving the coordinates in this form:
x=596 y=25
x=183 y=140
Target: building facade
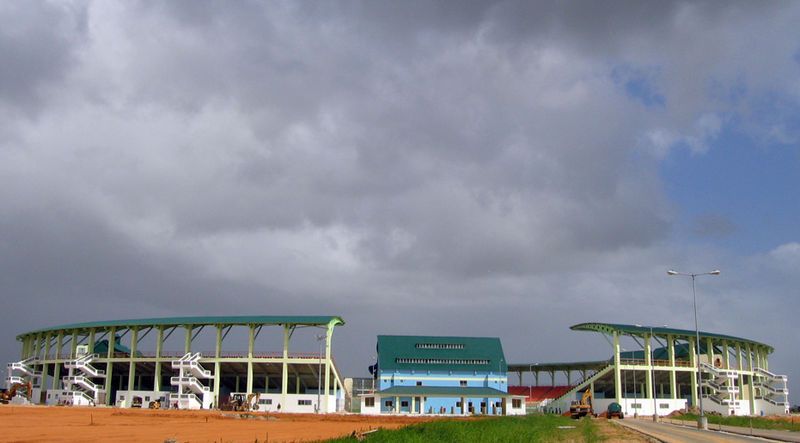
x=440 y=376
x=107 y=362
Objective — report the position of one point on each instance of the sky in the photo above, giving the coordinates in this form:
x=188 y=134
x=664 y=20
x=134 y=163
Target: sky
x=501 y=169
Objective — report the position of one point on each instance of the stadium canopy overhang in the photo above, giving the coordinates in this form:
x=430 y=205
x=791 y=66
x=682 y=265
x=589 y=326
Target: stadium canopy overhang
x=242 y=320
x=686 y=334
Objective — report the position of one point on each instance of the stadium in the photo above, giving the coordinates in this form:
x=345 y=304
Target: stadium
x=106 y=363
x=132 y=363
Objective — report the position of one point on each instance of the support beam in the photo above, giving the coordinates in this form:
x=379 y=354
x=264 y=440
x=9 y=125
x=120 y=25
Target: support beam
x=110 y=365
x=132 y=362
x=250 y=345
x=673 y=385
x=187 y=345
x=694 y=350
x=649 y=393
x=285 y=365
x=217 y=366
x=328 y=337
x=617 y=371
x=159 y=346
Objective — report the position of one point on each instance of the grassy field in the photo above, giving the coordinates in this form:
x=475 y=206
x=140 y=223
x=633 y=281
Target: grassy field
x=502 y=429
x=746 y=422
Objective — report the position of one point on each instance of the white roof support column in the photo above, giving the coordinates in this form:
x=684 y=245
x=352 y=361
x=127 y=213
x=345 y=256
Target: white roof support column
x=73 y=346
x=285 y=365
x=648 y=385
x=159 y=345
x=673 y=382
x=132 y=363
x=251 y=339
x=328 y=337
x=694 y=354
x=217 y=368
x=187 y=345
x=112 y=335
x=617 y=371
x=726 y=355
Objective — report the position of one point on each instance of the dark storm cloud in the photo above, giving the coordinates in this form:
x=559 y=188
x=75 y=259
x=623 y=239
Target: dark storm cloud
x=37 y=45
x=498 y=162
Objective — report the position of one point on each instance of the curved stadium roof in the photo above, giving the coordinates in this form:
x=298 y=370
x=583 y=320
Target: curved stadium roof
x=309 y=320
x=639 y=330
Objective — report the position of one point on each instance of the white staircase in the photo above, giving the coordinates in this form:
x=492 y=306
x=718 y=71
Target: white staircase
x=723 y=387
x=192 y=393
x=772 y=387
x=25 y=368
x=79 y=384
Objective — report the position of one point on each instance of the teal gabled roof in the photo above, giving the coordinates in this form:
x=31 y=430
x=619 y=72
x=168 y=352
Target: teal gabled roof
x=637 y=330
x=440 y=354
x=308 y=320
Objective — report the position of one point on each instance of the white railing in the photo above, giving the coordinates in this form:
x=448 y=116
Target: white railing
x=83 y=382
x=190 y=382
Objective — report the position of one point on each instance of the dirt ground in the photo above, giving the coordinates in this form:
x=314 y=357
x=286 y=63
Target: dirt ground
x=64 y=424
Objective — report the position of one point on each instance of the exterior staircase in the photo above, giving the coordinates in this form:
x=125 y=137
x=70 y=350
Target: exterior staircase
x=192 y=393
x=79 y=384
x=722 y=385
x=772 y=387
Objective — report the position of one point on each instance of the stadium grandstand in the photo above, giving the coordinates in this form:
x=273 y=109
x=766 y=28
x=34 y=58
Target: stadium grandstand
x=661 y=375
x=109 y=362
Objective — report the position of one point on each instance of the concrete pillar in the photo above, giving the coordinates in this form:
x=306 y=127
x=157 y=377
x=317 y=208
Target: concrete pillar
x=91 y=340
x=328 y=338
x=413 y=402
x=132 y=363
x=159 y=345
x=187 y=345
x=710 y=351
x=110 y=365
x=422 y=405
x=73 y=346
x=285 y=365
x=617 y=371
x=250 y=345
x=673 y=385
x=752 y=387
x=217 y=366
x=649 y=392
x=693 y=360
x=726 y=355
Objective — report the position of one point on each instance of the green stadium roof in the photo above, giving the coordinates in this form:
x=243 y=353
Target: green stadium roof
x=418 y=353
x=444 y=391
x=312 y=320
x=610 y=328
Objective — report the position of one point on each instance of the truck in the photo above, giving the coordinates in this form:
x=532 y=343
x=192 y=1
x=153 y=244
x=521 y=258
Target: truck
x=615 y=410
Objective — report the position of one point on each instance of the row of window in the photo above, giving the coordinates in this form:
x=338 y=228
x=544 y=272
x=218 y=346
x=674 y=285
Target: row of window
x=369 y=402
x=439 y=346
x=442 y=361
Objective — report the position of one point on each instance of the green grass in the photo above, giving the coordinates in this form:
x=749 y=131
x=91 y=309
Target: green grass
x=530 y=428
x=745 y=422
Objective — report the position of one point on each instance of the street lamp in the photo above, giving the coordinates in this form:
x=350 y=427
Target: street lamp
x=320 y=337
x=702 y=421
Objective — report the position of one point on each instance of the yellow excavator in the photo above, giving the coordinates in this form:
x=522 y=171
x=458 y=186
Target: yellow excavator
x=245 y=403
x=583 y=407
x=8 y=395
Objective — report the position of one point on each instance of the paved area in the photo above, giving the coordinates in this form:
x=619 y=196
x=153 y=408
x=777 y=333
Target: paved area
x=772 y=434
x=674 y=433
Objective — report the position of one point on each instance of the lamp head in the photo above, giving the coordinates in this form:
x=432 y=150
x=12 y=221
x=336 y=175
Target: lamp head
x=715 y=272
x=671 y=272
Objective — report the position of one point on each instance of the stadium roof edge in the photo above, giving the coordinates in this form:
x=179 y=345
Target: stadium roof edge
x=308 y=320
x=639 y=330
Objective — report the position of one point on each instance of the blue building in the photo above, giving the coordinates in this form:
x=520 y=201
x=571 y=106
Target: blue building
x=442 y=376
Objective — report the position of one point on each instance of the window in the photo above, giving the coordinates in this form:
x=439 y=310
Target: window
x=462 y=383
x=439 y=346
x=369 y=402
x=442 y=361
x=483 y=404
x=497 y=404
x=147 y=398
x=419 y=383
x=404 y=404
x=458 y=404
x=636 y=406
x=516 y=403
x=304 y=402
x=663 y=405
x=388 y=403
x=265 y=401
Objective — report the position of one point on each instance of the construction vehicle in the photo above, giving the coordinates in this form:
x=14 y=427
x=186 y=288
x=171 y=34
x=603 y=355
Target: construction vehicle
x=245 y=402
x=615 y=410
x=583 y=407
x=8 y=395
x=156 y=404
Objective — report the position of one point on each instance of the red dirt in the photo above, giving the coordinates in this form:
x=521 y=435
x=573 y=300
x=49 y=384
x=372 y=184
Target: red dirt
x=65 y=424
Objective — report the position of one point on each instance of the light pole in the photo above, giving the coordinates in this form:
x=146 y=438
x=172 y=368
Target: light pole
x=702 y=421
x=320 y=337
